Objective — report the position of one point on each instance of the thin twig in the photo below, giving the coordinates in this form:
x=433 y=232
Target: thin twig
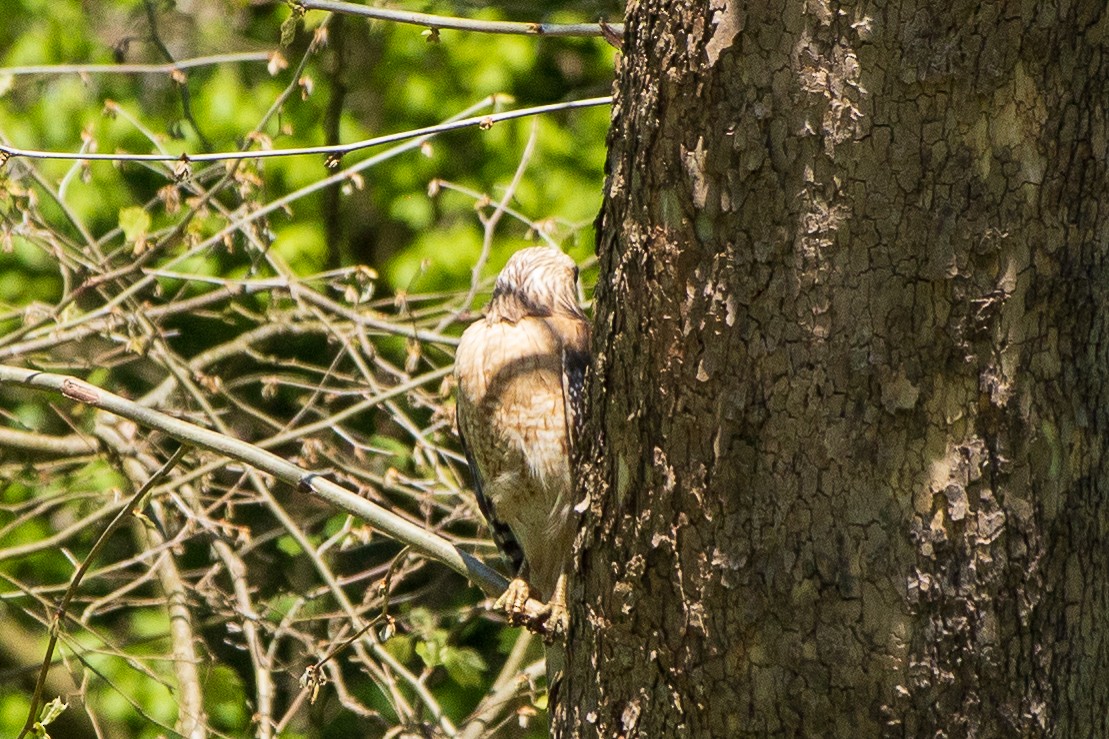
x=504 y=688
x=437 y=22
x=109 y=309
x=120 y=437
x=30 y=441
x=181 y=65
x=183 y=83
x=393 y=525
x=335 y=151
x=489 y=225
x=60 y=611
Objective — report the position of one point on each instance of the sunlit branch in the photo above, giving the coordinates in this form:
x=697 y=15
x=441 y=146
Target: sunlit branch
x=334 y=151
x=165 y=68
x=436 y=22
x=79 y=327
x=391 y=524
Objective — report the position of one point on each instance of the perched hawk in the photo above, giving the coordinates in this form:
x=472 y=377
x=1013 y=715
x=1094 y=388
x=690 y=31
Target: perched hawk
x=520 y=372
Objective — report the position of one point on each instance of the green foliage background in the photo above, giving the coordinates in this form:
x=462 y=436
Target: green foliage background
x=370 y=79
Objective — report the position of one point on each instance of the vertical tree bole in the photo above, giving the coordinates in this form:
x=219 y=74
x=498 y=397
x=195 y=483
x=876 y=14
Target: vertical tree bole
x=846 y=457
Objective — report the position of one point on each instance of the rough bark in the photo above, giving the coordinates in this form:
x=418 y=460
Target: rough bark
x=850 y=400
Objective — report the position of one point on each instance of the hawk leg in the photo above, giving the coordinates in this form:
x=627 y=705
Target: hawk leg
x=558 y=616
x=551 y=620
x=514 y=602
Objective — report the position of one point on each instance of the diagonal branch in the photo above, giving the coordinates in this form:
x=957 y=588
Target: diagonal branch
x=335 y=152
x=437 y=22
x=60 y=611
x=393 y=525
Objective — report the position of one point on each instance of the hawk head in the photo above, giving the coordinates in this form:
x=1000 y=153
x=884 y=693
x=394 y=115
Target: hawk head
x=538 y=281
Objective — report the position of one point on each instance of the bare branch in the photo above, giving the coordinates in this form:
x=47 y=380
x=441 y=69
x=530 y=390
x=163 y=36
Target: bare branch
x=437 y=22
x=335 y=151
x=60 y=611
x=397 y=527
x=168 y=68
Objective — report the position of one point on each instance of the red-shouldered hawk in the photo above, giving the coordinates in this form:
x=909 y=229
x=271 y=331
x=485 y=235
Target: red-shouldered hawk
x=520 y=373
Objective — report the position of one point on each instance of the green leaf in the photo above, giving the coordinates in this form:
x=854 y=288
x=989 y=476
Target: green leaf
x=135 y=222
x=289 y=545
x=400 y=646
x=431 y=652
x=422 y=620
x=464 y=665
x=225 y=699
x=289 y=28
x=278 y=606
x=50 y=712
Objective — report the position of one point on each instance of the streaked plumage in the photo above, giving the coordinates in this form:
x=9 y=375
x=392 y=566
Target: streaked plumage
x=520 y=372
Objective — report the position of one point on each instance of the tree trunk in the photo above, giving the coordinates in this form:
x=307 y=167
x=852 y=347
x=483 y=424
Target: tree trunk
x=850 y=399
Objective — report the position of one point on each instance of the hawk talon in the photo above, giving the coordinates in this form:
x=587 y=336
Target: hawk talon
x=514 y=602
x=558 y=617
x=550 y=621
x=557 y=623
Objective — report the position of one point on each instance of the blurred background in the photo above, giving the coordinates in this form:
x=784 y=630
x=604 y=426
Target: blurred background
x=306 y=304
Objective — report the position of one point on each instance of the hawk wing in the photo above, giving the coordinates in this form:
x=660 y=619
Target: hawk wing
x=576 y=356
x=575 y=360
x=502 y=535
